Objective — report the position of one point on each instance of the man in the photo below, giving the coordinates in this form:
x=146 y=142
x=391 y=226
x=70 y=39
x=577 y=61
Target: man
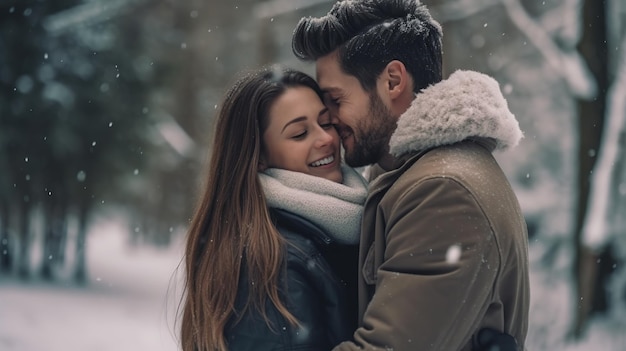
x=444 y=249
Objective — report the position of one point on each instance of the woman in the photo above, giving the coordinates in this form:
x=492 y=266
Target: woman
x=272 y=248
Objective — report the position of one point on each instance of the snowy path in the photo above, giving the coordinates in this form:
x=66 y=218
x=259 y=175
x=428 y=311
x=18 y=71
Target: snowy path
x=126 y=306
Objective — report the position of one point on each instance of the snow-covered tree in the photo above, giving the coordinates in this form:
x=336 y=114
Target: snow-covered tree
x=604 y=226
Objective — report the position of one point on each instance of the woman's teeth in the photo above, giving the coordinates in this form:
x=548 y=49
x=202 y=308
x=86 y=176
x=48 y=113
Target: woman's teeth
x=323 y=161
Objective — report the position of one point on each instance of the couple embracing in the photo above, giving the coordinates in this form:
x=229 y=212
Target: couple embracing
x=291 y=249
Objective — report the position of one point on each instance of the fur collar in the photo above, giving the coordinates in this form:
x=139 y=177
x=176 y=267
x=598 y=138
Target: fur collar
x=334 y=207
x=467 y=104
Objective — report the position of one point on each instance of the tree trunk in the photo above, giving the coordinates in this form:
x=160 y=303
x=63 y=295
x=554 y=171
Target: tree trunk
x=80 y=272
x=25 y=240
x=6 y=255
x=589 y=266
x=55 y=234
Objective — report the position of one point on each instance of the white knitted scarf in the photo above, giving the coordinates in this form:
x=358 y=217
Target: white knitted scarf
x=334 y=207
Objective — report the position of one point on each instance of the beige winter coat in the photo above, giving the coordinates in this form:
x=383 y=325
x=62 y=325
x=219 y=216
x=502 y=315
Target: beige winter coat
x=444 y=244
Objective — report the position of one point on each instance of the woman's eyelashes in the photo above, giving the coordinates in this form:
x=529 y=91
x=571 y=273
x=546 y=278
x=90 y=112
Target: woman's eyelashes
x=299 y=136
x=326 y=125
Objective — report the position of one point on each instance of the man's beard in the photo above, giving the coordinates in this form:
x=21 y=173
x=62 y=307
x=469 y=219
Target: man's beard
x=371 y=135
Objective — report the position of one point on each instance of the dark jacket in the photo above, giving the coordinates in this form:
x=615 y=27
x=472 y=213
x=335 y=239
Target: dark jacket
x=319 y=289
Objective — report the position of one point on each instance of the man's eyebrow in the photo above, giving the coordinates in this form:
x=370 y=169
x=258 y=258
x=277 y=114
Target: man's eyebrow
x=295 y=120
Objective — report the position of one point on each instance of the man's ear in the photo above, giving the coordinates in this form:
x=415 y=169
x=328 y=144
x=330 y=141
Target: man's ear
x=397 y=84
x=398 y=79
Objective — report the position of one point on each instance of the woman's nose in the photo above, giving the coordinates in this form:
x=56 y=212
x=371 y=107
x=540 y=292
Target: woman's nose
x=324 y=138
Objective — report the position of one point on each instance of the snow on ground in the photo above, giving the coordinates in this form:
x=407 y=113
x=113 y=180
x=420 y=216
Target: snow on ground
x=130 y=303
x=552 y=308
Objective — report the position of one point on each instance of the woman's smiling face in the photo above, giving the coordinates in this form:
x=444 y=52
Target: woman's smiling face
x=301 y=136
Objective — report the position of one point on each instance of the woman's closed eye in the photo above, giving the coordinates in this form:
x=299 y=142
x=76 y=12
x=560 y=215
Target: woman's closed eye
x=301 y=135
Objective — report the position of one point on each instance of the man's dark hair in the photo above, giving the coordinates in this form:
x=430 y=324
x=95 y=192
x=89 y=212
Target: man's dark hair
x=369 y=34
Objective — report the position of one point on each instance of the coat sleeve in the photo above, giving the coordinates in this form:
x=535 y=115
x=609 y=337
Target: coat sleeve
x=437 y=274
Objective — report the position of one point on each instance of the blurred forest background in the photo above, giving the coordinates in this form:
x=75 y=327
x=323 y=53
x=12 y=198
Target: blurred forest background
x=107 y=105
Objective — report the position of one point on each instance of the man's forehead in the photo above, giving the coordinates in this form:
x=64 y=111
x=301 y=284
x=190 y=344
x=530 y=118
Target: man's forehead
x=329 y=83
x=327 y=65
x=339 y=83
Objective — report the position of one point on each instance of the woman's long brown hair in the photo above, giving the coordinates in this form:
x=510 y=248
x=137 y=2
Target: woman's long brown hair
x=231 y=225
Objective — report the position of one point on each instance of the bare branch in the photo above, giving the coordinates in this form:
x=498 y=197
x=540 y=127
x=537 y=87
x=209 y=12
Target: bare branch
x=275 y=8
x=460 y=9
x=88 y=13
x=569 y=64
